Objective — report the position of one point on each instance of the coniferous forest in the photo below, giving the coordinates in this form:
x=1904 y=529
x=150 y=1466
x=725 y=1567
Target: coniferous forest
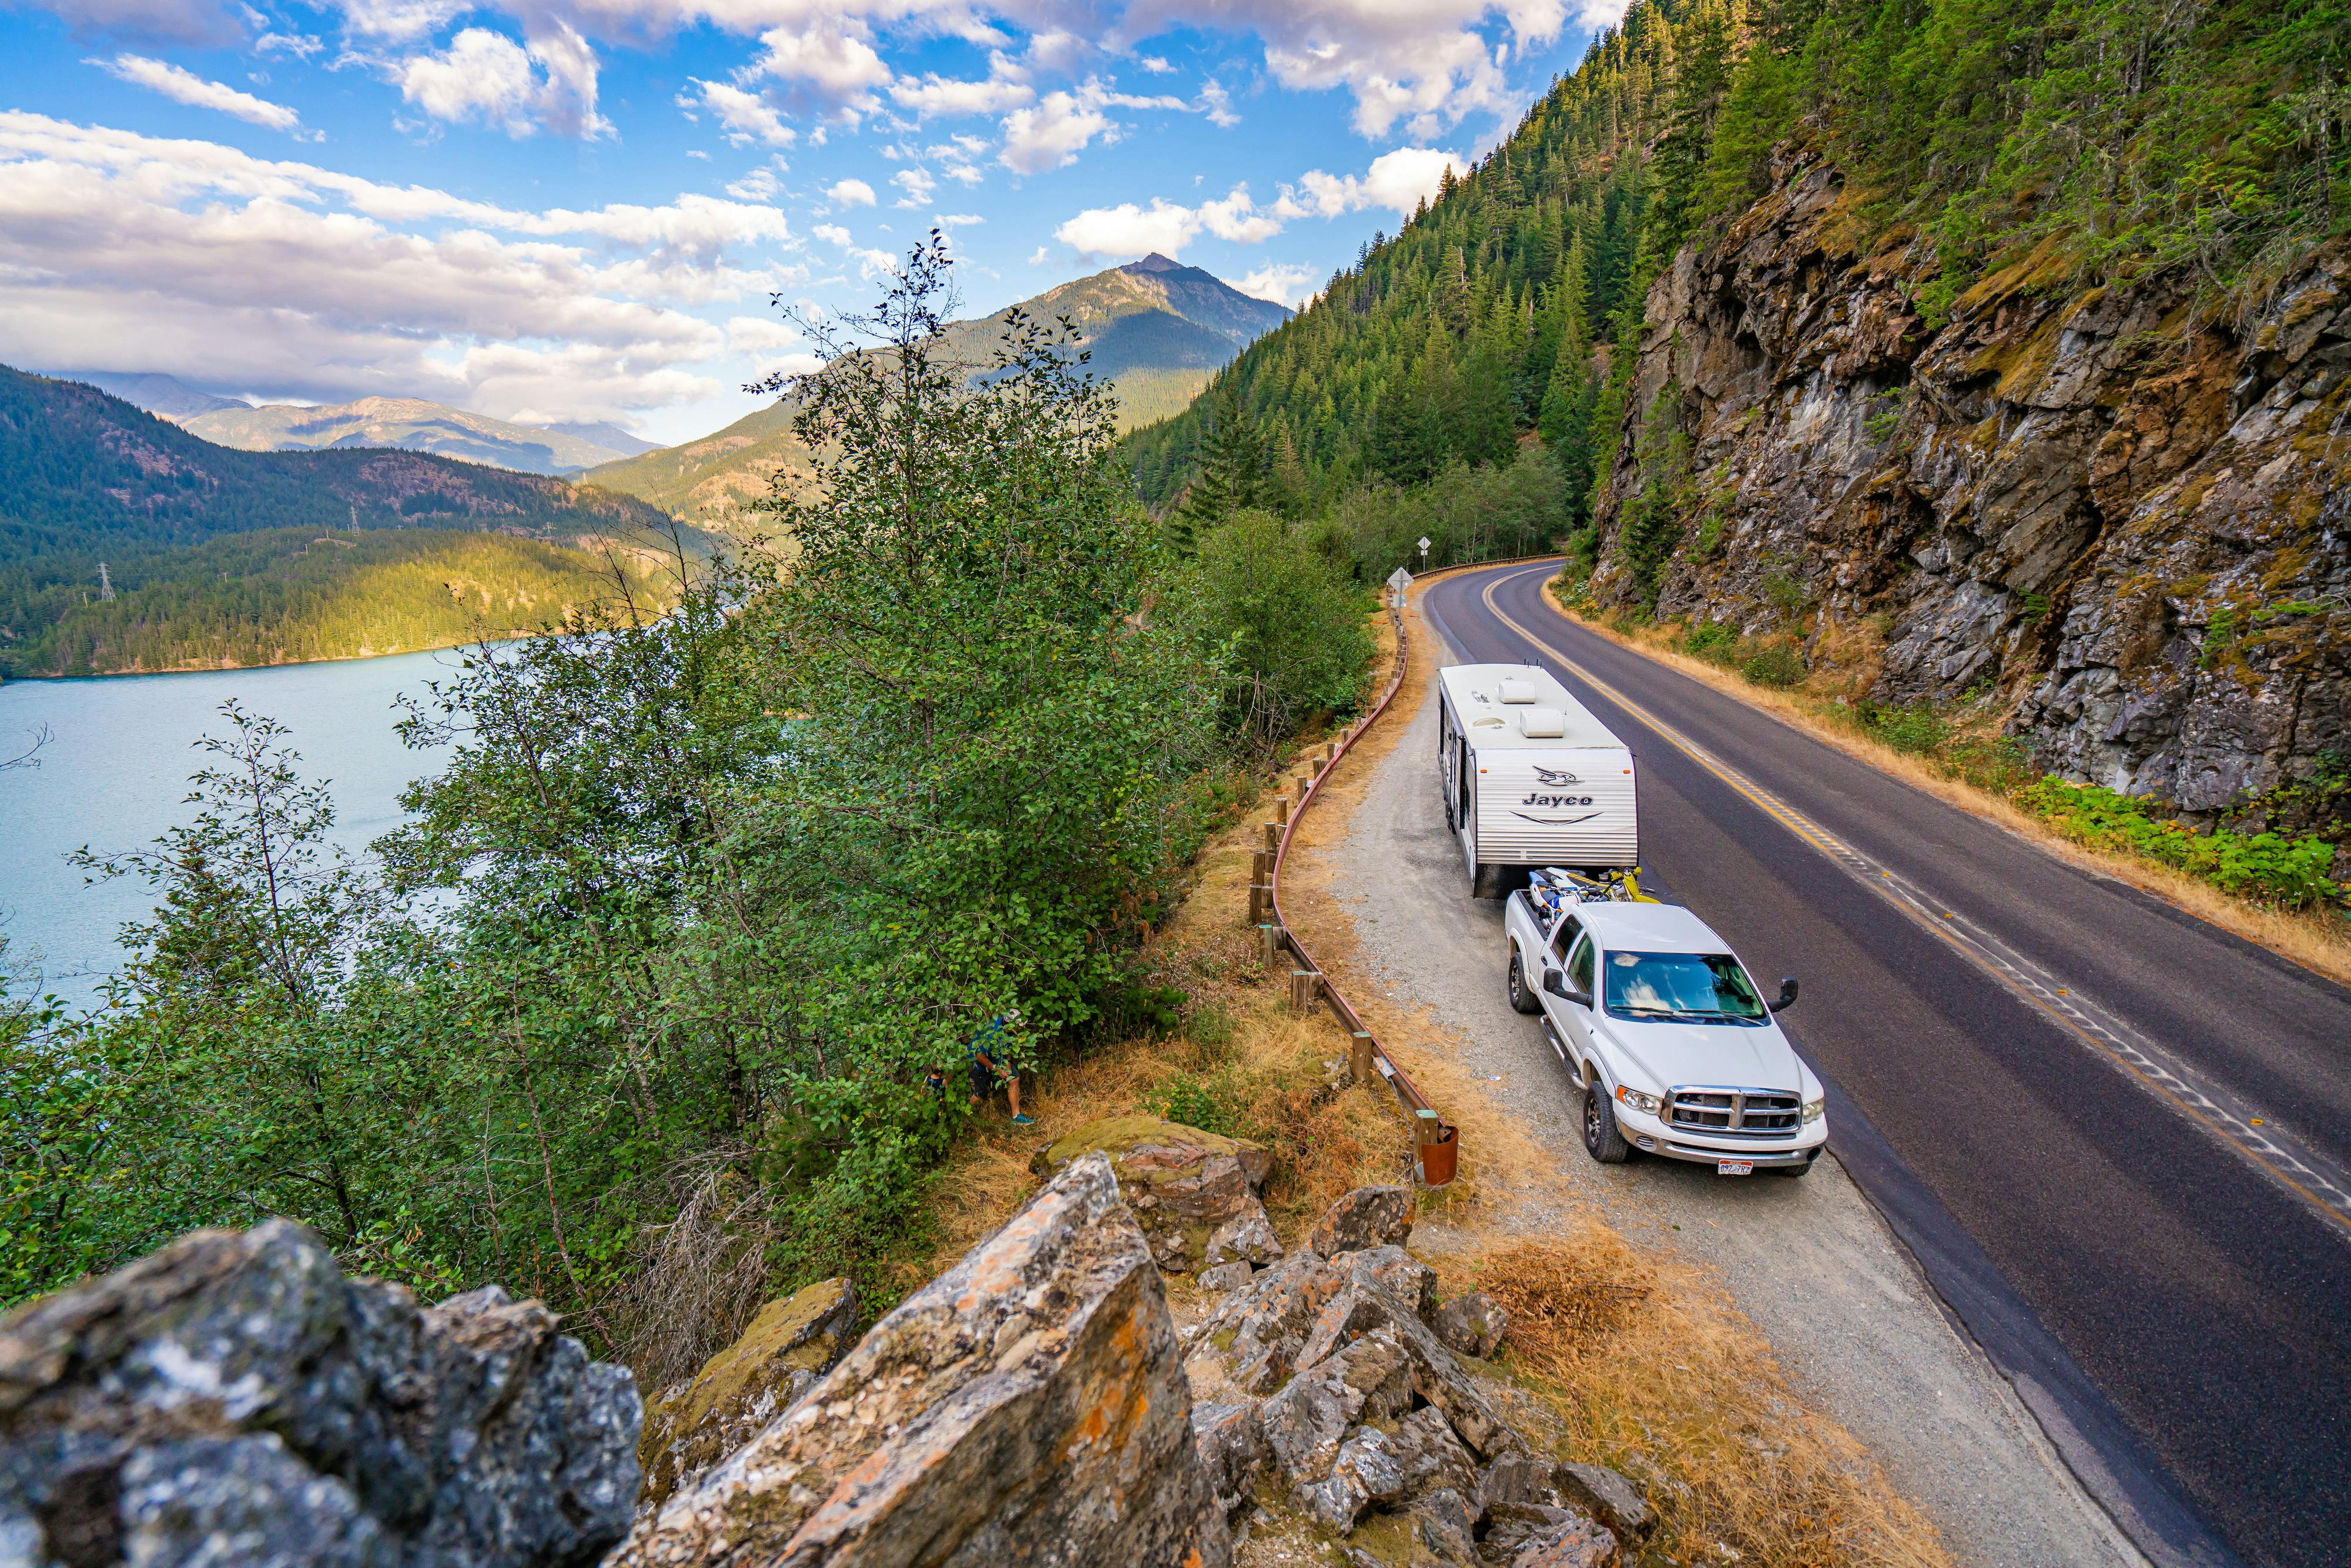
x=2120 y=137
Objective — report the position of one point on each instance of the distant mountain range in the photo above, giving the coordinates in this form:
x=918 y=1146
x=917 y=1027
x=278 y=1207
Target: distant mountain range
x=1155 y=329
x=412 y=425
x=86 y=478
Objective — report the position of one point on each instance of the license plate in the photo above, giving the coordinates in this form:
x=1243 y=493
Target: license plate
x=1734 y=1167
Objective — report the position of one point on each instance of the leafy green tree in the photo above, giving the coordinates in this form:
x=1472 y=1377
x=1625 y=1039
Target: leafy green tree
x=1290 y=622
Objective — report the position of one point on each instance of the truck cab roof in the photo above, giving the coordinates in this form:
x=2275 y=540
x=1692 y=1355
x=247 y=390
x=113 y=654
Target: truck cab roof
x=1515 y=706
x=1647 y=927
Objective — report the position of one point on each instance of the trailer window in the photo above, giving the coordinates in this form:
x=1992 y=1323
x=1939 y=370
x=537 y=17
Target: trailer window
x=1681 y=987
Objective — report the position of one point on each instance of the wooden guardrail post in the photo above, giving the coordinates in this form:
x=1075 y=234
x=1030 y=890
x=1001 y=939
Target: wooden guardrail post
x=1305 y=989
x=1270 y=945
x=1359 y=1056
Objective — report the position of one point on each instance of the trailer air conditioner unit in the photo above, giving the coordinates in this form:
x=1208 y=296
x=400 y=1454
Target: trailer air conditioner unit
x=1543 y=724
x=1515 y=692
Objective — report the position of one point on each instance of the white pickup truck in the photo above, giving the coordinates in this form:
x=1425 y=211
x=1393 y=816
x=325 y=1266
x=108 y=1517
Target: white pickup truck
x=1673 y=1045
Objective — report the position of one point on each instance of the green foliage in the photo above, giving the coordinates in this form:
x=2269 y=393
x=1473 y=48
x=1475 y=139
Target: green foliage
x=1712 y=641
x=1289 y=623
x=2296 y=873
x=697 y=900
x=1466 y=513
x=1195 y=1102
x=1773 y=664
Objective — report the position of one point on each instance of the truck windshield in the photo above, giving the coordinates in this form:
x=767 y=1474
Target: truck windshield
x=1681 y=987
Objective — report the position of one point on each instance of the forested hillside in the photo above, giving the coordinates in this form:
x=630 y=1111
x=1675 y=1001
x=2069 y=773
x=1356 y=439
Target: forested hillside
x=180 y=523
x=1974 y=355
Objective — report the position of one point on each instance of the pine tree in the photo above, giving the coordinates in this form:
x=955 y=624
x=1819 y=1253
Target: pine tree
x=1231 y=474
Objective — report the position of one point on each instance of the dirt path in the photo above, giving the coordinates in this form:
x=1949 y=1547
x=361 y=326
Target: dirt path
x=1376 y=888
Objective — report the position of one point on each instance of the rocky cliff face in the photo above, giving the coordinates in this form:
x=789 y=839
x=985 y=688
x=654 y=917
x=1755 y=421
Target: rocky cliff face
x=2120 y=512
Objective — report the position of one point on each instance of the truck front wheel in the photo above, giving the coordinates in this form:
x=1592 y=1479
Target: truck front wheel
x=1522 y=998
x=1601 y=1140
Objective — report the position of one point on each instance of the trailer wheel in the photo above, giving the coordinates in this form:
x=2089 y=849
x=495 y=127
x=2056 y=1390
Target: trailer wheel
x=1601 y=1140
x=1521 y=999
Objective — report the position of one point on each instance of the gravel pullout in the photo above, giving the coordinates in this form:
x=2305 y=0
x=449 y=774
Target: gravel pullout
x=1808 y=1260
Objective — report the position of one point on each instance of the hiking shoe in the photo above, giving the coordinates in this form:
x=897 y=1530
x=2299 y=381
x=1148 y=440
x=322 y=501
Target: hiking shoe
x=1023 y=1121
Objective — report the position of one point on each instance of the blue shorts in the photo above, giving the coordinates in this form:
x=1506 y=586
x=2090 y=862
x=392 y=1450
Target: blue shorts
x=982 y=1078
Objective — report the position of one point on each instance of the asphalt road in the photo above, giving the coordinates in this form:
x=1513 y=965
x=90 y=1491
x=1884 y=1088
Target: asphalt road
x=2049 y=1099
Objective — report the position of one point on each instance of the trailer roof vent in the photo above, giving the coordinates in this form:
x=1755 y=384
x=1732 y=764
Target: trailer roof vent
x=1517 y=691
x=1543 y=724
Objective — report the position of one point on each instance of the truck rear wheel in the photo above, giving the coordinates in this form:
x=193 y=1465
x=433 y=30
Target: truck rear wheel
x=1521 y=999
x=1601 y=1140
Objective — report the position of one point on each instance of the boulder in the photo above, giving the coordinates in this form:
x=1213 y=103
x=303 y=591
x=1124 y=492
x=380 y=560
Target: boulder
x=1607 y=1494
x=234 y=1398
x=1231 y=1439
x=1437 y=1377
x=1433 y=1459
x=788 y=1346
x=1579 y=1543
x=1246 y=1238
x=1364 y=1471
x=1367 y=1217
x=1306 y=1422
x=1471 y=1324
x=1447 y=1526
x=1181 y=1184
x=1518 y=1478
x=1227 y=1277
x=1025 y=1408
x=1397 y=1274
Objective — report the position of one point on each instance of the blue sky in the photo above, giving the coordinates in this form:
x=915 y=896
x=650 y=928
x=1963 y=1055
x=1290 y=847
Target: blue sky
x=578 y=209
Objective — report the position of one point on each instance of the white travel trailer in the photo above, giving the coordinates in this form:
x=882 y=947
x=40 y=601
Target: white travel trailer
x=1531 y=779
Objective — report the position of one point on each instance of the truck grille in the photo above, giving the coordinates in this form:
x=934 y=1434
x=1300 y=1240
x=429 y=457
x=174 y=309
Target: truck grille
x=1734 y=1113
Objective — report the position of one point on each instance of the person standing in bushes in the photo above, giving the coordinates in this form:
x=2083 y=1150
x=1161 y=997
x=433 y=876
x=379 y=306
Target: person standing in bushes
x=989 y=1066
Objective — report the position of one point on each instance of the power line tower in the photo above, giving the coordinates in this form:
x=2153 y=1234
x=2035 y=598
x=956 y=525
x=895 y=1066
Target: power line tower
x=105 y=585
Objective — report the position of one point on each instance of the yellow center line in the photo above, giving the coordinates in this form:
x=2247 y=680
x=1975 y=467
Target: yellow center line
x=2332 y=1204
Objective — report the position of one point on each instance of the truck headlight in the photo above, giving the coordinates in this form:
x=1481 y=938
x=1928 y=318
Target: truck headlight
x=1814 y=1109
x=1645 y=1104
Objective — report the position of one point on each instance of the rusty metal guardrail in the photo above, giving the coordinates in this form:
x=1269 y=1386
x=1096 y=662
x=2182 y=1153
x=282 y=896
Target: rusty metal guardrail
x=1436 y=1141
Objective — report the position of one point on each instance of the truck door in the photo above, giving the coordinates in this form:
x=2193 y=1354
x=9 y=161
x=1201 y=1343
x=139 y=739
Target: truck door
x=1575 y=1021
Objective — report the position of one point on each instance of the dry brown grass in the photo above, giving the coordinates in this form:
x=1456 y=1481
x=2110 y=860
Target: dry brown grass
x=1639 y=1365
x=2319 y=940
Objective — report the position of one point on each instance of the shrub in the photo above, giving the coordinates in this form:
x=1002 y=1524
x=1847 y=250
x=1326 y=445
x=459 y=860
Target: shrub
x=2273 y=867
x=1773 y=664
x=1713 y=641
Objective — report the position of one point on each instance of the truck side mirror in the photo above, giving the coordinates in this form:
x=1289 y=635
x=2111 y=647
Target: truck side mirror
x=1556 y=984
x=1787 y=993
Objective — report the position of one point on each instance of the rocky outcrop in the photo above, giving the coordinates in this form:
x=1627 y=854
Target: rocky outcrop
x=234 y=1398
x=1026 y=1408
x=2121 y=511
x=1330 y=1392
x=788 y=1347
x=1186 y=1188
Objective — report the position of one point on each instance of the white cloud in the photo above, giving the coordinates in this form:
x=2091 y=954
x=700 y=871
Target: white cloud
x=830 y=64
x=1236 y=218
x=834 y=234
x=487 y=76
x=1217 y=104
x=746 y=116
x=944 y=96
x=1038 y=259
x=759 y=186
x=1128 y=230
x=956 y=220
x=302 y=46
x=850 y=193
x=1398 y=181
x=1283 y=282
x=401 y=20
x=193 y=258
x=917 y=184
x=185 y=86
x=173 y=21
x=1154 y=63
x=761 y=335
x=1051 y=134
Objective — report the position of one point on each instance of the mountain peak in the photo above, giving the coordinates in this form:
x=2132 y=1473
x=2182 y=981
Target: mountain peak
x=1155 y=262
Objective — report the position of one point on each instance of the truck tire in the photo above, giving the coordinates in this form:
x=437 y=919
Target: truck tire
x=1521 y=999
x=1796 y=1170
x=1601 y=1140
